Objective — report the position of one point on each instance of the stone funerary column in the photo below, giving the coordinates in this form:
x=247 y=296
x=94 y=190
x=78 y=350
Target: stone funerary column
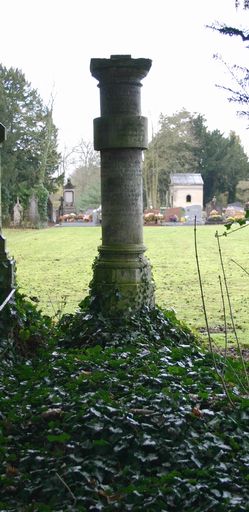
x=122 y=276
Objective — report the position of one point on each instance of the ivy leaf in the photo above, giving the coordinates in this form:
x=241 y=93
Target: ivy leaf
x=58 y=438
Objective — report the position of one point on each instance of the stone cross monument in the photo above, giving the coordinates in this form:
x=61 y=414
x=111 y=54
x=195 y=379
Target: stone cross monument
x=122 y=280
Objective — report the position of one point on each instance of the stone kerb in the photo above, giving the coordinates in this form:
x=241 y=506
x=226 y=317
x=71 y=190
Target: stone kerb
x=122 y=277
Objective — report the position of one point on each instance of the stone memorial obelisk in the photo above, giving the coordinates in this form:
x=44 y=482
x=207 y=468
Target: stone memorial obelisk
x=122 y=281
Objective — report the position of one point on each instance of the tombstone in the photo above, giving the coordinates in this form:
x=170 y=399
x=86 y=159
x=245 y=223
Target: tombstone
x=99 y=211
x=33 y=212
x=17 y=214
x=237 y=206
x=60 y=211
x=193 y=212
x=51 y=211
x=122 y=280
x=213 y=206
x=69 y=198
x=95 y=217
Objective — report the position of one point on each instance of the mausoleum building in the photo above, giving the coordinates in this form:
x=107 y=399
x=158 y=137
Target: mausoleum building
x=186 y=190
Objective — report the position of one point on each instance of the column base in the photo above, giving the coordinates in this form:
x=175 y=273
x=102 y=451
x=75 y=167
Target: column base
x=122 y=281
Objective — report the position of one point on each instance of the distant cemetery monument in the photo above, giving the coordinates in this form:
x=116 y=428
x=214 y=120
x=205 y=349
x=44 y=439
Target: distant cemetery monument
x=186 y=190
x=69 y=198
x=28 y=217
x=33 y=217
x=122 y=275
x=17 y=214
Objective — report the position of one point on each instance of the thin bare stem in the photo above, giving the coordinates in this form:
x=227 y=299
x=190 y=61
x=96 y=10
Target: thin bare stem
x=226 y=233
x=225 y=322
x=206 y=318
x=233 y=371
x=67 y=487
x=231 y=310
x=244 y=270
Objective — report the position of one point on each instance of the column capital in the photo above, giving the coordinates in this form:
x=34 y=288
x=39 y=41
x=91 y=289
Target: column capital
x=120 y=68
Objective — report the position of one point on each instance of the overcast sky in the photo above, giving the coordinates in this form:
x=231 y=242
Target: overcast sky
x=52 y=42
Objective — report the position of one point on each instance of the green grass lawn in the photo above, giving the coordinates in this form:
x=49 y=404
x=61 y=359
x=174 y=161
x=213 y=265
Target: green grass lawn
x=54 y=265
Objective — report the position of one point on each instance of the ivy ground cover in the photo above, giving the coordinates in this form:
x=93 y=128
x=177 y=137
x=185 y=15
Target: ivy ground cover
x=126 y=416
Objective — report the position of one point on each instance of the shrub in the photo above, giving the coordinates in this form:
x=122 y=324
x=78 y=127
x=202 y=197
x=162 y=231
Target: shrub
x=149 y=217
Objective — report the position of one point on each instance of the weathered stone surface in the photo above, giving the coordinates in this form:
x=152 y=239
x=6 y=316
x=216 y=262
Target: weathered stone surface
x=120 y=132
x=17 y=213
x=33 y=212
x=122 y=279
x=122 y=202
x=193 y=213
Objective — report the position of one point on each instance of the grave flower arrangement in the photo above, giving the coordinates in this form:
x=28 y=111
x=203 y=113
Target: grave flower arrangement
x=215 y=217
x=173 y=218
x=149 y=217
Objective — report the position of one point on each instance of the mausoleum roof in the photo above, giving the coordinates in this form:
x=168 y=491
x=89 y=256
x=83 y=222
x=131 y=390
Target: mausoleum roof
x=186 y=179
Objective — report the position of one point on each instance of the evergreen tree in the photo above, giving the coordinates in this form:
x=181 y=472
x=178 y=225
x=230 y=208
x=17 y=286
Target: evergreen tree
x=236 y=165
x=172 y=149
x=184 y=144
x=29 y=156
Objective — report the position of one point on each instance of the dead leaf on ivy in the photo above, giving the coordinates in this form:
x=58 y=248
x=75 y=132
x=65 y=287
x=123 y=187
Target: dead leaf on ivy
x=11 y=470
x=143 y=411
x=51 y=413
x=111 y=498
x=197 y=412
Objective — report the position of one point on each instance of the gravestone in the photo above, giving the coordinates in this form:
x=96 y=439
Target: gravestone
x=17 y=213
x=33 y=213
x=95 y=216
x=69 y=198
x=51 y=210
x=122 y=280
x=193 y=212
x=213 y=206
